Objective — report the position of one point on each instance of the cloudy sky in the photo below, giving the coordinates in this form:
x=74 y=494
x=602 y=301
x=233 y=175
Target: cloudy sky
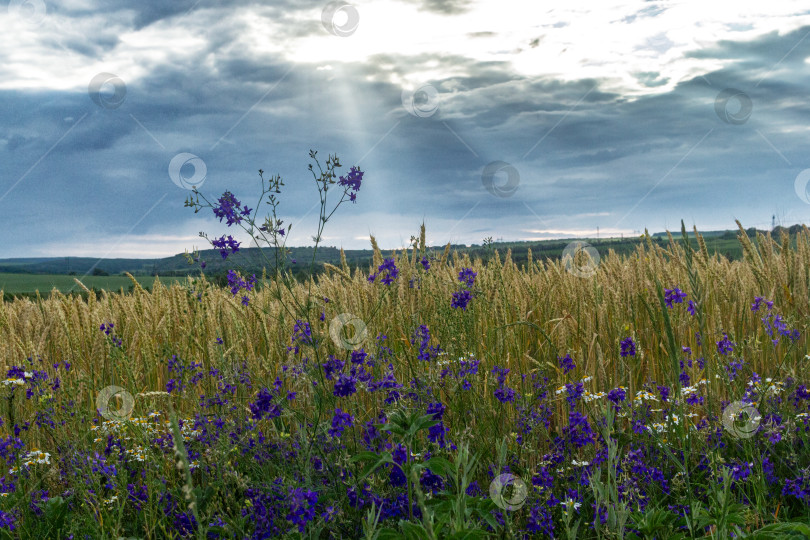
x=512 y=119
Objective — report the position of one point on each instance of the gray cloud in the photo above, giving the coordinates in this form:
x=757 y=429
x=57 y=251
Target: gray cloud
x=587 y=155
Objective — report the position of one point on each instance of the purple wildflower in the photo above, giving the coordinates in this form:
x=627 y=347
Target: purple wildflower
x=673 y=295
x=425 y=352
x=578 y=431
x=617 y=395
x=302 y=332
x=340 y=421
x=302 y=507
x=352 y=180
x=345 y=386
x=391 y=270
x=461 y=299
x=436 y=433
x=331 y=366
x=504 y=394
x=733 y=368
x=566 y=363
x=265 y=403
x=758 y=303
x=694 y=399
x=467 y=276
x=725 y=346
x=628 y=347
x=227 y=208
x=224 y=245
x=574 y=391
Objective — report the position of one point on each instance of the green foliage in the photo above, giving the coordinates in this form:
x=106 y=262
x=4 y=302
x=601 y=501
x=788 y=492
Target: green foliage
x=778 y=531
x=654 y=523
x=452 y=513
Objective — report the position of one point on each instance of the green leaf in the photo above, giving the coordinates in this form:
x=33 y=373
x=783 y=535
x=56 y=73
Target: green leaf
x=363 y=456
x=389 y=534
x=413 y=530
x=374 y=465
x=795 y=530
x=439 y=465
x=465 y=534
x=421 y=423
x=483 y=507
x=55 y=510
x=440 y=503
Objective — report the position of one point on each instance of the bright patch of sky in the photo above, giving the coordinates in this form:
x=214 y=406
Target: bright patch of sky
x=510 y=119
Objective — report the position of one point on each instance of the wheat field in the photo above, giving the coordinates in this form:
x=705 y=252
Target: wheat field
x=585 y=315
x=521 y=319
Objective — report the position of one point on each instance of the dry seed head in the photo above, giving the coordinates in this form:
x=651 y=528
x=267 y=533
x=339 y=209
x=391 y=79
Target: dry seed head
x=147 y=394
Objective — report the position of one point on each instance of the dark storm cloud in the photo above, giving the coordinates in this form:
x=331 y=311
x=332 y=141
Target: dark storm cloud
x=140 y=14
x=581 y=148
x=445 y=7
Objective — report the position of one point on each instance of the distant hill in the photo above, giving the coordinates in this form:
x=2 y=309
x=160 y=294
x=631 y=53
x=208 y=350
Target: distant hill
x=724 y=242
x=250 y=258
x=732 y=234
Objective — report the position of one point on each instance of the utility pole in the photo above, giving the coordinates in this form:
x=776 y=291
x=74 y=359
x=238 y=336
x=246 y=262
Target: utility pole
x=597 y=234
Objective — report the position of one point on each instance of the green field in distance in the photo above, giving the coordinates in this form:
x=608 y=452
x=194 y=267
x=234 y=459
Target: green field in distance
x=45 y=283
